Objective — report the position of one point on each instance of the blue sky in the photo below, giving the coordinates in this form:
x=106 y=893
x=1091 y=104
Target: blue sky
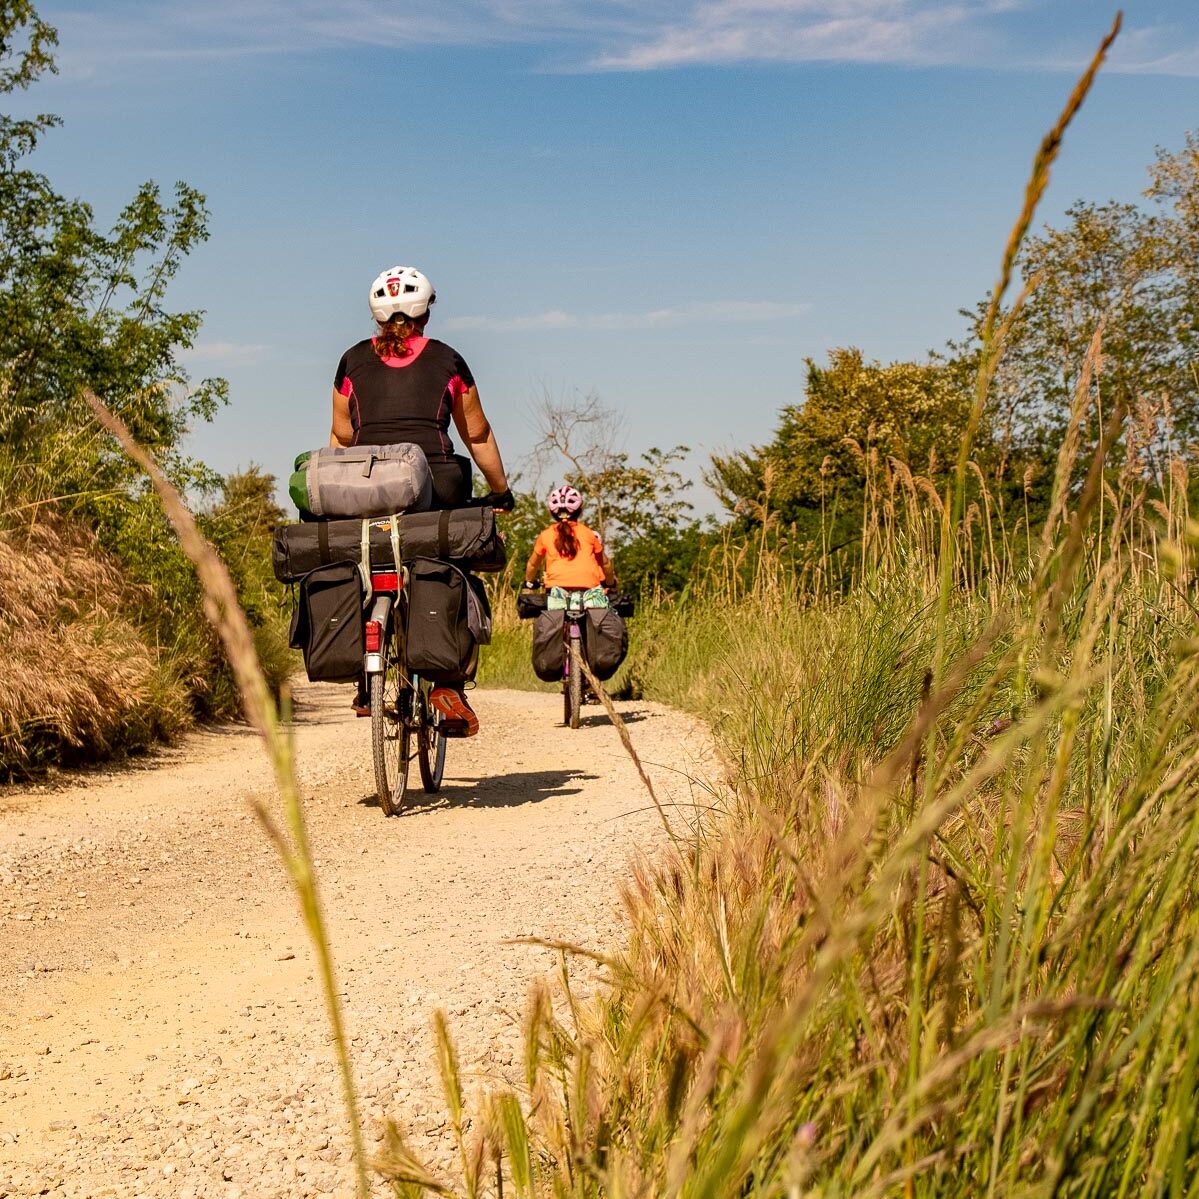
x=671 y=203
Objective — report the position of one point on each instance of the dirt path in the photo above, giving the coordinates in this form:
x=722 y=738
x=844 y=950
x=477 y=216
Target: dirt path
x=161 y=1033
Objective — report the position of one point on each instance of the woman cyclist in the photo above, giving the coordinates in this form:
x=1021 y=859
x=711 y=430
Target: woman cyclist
x=571 y=555
x=400 y=385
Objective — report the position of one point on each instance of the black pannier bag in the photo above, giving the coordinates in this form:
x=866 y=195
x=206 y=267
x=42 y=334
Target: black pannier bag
x=607 y=640
x=448 y=616
x=549 y=648
x=467 y=536
x=328 y=623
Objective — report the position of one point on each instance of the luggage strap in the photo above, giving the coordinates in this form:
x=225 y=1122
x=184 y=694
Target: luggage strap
x=395 y=545
x=443 y=533
x=364 y=564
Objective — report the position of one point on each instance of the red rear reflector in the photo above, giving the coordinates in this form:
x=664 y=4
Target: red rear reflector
x=374 y=636
x=385 y=582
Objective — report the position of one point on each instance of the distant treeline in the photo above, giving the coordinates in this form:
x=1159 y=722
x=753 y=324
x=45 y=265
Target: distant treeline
x=1129 y=273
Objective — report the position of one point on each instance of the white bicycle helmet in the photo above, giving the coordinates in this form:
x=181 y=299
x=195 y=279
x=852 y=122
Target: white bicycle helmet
x=564 y=501
x=400 y=289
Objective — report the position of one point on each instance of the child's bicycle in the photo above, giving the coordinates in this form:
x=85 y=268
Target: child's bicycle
x=530 y=605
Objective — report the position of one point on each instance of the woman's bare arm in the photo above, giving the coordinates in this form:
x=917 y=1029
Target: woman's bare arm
x=342 y=432
x=533 y=566
x=475 y=430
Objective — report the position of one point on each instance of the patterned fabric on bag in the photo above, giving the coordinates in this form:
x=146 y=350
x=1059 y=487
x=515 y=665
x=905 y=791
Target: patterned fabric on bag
x=558 y=598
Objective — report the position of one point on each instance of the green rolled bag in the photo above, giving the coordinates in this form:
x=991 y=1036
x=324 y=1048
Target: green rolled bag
x=338 y=483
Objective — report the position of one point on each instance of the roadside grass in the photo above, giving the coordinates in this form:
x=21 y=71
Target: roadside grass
x=97 y=665
x=941 y=938
x=80 y=680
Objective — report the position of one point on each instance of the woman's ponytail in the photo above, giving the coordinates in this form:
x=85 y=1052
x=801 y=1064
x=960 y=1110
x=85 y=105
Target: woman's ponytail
x=392 y=339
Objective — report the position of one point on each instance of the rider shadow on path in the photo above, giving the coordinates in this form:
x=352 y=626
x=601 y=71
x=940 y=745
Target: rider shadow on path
x=491 y=791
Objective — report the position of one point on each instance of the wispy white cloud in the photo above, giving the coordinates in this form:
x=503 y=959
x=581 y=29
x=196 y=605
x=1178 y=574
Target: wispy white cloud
x=890 y=31
x=622 y=35
x=735 y=312
x=224 y=353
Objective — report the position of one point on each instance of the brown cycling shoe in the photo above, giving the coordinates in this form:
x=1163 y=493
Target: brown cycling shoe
x=457 y=716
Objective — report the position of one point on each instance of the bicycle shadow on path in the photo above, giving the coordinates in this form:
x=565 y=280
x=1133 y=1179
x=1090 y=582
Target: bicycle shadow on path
x=492 y=791
x=592 y=718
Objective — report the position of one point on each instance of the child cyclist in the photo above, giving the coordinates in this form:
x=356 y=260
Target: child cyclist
x=571 y=554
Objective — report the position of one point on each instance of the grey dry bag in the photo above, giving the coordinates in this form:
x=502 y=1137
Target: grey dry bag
x=361 y=480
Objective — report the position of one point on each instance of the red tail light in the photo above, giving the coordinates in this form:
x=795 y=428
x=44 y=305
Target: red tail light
x=385 y=582
x=374 y=636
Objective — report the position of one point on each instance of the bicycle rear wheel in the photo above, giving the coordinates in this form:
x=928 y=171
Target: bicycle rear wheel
x=430 y=745
x=391 y=730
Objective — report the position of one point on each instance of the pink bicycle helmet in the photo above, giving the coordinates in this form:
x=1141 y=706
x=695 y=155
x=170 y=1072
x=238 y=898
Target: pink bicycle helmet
x=564 y=501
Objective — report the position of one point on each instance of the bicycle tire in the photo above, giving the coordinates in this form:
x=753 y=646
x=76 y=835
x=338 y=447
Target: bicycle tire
x=430 y=746
x=574 y=684
x=391 y=734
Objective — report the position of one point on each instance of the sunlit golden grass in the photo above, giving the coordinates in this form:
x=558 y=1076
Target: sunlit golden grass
x=80 y=681
x=941 y=937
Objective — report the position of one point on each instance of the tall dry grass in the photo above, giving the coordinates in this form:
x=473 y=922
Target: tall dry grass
x=942 y=938
x=80 y=679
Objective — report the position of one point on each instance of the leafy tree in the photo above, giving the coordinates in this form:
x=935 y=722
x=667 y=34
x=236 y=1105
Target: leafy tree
x=80 y=307
x=639 y=506
x=1115 y=267
x=1131 y=271
x=856 y=414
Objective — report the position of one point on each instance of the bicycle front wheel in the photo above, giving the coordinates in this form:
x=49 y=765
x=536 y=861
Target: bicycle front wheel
x=391 y=731
x=574 y=684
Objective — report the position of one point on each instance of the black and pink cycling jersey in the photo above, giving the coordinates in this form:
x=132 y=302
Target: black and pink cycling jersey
x=404 y=399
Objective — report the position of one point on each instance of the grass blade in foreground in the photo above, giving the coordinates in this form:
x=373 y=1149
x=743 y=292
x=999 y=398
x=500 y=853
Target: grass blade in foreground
x=224 y=612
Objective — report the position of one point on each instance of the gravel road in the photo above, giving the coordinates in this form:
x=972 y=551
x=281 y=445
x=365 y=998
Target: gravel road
x=161 y=1032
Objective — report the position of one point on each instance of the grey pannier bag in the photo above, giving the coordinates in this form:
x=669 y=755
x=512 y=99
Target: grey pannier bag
x=361 y=480
x=607 y=641
x=549 y=646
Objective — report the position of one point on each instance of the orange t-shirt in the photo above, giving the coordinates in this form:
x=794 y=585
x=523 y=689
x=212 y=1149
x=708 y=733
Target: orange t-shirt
x=583 y=570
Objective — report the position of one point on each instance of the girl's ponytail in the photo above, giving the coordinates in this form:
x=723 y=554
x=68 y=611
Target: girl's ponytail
x=565 y=540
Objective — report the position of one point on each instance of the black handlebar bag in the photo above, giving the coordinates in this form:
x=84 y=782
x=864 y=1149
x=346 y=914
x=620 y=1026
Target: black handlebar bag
x=328 y=623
